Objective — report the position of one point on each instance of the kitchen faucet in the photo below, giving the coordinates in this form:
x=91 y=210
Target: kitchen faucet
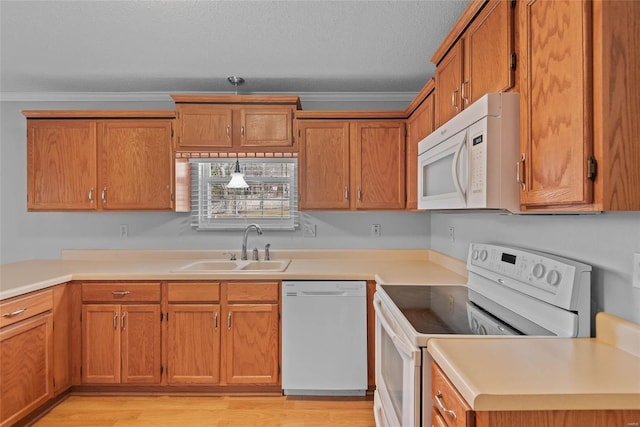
x=243 y=254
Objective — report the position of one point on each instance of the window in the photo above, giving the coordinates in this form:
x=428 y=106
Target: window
x=271 y=200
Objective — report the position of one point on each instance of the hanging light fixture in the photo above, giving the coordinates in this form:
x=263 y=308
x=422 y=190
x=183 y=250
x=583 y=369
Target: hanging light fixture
x=237 y=178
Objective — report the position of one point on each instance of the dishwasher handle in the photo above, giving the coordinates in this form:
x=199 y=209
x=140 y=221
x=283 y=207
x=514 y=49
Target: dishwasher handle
x=323 y=293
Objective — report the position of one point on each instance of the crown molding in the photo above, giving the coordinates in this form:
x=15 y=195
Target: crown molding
x=165 y=96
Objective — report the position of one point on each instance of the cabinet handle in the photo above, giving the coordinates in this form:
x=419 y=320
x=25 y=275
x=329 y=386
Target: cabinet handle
x=122 y=320
x=359 y=194
x=346 y=193
x=115 y=320
x=520 y=172
x=465 y=99
x=454 y=104
x=242 y=131
x=120 y=293
x=91 y=195
x=15 y=313
x=228 y=131
x=443 y=408
x=229 y=321
x=215 y=321
x=104 y=195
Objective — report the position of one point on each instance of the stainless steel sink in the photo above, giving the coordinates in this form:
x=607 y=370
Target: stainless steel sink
x=215 y=265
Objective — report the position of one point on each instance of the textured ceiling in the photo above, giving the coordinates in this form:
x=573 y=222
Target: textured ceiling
x=185 y=46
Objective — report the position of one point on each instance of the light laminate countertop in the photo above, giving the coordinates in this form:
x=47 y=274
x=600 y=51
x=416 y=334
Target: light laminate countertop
x=385 y=266
x=494 y=374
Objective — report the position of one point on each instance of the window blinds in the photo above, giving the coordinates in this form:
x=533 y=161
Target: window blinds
x=271 y=200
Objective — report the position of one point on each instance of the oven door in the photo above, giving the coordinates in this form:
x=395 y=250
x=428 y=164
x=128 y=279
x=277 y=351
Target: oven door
x=397 y=399
x=443 y=174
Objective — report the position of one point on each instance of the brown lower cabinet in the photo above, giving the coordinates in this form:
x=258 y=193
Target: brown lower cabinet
x=26 y=355
x=223 y=333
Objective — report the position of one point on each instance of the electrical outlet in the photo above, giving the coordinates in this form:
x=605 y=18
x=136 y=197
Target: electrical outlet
x=309 y=230
x=124 y=230
x=452 y=235
x=376 y=230
x=636 y=270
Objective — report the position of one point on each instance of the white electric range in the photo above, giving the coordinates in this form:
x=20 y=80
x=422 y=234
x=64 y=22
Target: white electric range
x=510 y=291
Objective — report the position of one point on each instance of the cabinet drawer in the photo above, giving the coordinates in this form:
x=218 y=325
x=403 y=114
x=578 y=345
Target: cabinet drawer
x=193 y=291
x=436 y=419
x=20 y=308
x=252 y=291
x=121 y=292
x=456 y=412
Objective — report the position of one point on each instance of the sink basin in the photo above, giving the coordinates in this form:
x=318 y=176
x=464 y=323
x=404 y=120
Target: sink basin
x=266 y=265
x=215 y=265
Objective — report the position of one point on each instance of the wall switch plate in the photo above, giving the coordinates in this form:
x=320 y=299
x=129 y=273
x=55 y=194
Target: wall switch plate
x=308 y=230
x=124 y=230
x=376 y=230
x=636 y=270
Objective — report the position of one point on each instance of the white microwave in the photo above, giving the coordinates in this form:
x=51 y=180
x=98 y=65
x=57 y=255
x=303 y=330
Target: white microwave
x=470 y=162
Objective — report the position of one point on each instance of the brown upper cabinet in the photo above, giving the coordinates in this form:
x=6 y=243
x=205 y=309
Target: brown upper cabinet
x=86 y=161
x=420 y=123
x=351 y=164
x=580 y=102
x=235 y=123
x=477 y=57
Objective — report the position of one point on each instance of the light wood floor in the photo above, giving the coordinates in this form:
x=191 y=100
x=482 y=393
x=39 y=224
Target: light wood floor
x=227 y=411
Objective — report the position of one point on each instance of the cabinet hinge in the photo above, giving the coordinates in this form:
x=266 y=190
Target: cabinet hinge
x=161 y=369
x=171 y=130
x=592 y=168
x=513 y=4
x=514 y=60
x=81 y=371
x=54 y=382
x=161 y=316
x=167 y=317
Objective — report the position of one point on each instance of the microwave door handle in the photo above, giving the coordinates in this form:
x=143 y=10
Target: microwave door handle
x=455 y=168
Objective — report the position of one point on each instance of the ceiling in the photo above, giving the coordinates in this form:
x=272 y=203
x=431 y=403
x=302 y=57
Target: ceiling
x=192 y=46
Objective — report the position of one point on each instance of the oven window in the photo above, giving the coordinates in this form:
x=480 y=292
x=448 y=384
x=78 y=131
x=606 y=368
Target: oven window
x=392 y=371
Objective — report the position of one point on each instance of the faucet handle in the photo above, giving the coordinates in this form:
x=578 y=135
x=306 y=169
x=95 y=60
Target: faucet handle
x=267 y=256
x=255 y=254
x=232 y=256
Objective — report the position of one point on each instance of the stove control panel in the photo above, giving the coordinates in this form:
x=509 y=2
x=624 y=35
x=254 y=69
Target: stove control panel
x=545 y=276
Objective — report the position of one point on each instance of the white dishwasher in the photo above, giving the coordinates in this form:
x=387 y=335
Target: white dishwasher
x=324 y=338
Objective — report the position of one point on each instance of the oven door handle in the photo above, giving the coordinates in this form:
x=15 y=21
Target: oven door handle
x=406 y=348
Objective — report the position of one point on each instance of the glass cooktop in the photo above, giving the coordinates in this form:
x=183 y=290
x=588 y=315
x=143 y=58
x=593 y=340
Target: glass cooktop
x=432 y=309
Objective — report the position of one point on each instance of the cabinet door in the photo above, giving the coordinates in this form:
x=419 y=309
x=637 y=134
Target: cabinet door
x=419 y=125
x=135 y=164
x=251 y=344
x=556 y=103
x=193 y=344
x=140 y=337
x=379 y=164
x=61 y=165
x=266 y=126
x=448 y=82
x=203 y=127
x=488 y=45
x=101 y=343
x=25 y=377
x=324 y=164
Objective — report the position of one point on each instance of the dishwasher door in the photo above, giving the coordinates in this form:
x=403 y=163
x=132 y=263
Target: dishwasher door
x=324 y=338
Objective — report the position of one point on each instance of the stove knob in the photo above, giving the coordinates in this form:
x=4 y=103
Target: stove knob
x=553 y=278
x=482 y=330
x=474 y=254
x=474 y=325
x=538 y=271
x=483 y=255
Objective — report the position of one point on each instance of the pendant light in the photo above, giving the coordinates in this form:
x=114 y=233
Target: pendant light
x=237 y=178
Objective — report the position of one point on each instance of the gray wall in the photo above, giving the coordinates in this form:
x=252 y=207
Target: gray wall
x=606 y=241
x=27 y=235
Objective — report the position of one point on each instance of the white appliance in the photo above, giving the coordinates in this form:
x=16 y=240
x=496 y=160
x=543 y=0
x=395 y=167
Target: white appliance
x=510 y=291
x=471 y=161
x=324 y=338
